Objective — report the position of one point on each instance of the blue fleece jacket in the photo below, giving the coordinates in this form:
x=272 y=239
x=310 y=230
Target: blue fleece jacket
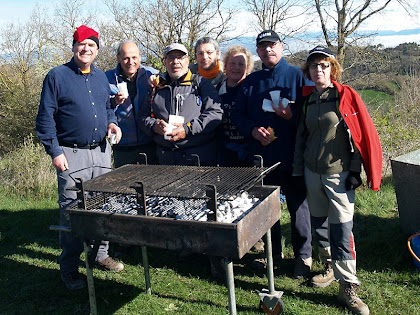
x=128 y=112
x=74 y=108
x=248 y=113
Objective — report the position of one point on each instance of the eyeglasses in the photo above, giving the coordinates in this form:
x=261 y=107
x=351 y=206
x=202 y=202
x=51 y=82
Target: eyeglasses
x=323 y=66
x=265 y=45
x=202 y=53
x=172 y=58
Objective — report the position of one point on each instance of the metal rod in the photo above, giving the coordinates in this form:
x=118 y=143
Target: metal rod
x=141 y=197
x=60 y=228
x=81 y=196
x=230 y=285
x=211 y=203
x=146 y=269
x=91 y=285
x=269 y=255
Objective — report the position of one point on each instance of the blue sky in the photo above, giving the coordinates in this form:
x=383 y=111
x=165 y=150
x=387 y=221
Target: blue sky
x=392 y=28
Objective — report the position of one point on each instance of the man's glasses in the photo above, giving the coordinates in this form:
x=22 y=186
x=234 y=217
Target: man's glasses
x=323 y=66
x=172 y=58
x=265 y=45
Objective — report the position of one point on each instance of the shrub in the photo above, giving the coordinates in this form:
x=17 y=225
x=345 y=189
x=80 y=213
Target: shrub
x=398 y=127
x=28 y=171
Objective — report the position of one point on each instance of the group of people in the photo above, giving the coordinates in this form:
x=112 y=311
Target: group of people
x=218 y=112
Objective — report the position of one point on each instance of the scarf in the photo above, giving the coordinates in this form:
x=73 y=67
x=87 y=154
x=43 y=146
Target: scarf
x=212 y=73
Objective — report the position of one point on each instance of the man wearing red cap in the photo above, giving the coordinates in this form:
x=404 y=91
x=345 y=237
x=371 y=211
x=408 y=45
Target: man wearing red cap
x=74 y=118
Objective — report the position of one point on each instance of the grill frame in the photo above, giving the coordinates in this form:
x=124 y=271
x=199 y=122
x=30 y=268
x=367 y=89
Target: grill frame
x=232 y=240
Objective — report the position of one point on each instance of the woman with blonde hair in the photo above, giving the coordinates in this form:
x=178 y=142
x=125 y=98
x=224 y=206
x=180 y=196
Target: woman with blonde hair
x=238 y=63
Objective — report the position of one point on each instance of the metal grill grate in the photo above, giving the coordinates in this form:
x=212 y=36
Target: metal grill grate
x=176 y=181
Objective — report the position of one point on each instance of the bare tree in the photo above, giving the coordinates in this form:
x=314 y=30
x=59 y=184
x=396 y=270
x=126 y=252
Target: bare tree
x=286 y=17
x=347 y=16
x=155 y=24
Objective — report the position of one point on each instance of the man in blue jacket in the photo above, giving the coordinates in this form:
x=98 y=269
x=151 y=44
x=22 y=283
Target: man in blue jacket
x=74 y=118
x=131 y=73
x=265 y=113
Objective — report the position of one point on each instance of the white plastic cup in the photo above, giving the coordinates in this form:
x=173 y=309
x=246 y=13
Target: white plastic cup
x=173 y=119
x=123 y=88
x=275 y=97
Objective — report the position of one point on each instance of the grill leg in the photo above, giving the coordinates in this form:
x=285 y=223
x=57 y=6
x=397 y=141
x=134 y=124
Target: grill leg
x=91 y=285
x=269 y=253
x=230 y=285
x=146 y=269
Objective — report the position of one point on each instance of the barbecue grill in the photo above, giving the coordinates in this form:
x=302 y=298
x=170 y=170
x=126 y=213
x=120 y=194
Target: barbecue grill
x=91 y=219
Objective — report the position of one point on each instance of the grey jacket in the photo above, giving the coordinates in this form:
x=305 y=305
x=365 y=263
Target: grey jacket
x=193 y=98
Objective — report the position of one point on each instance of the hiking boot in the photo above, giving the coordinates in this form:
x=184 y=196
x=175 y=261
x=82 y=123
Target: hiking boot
x=110 y=264
x=73 y=280
x=302 y=267
x=348 y=297
x=325 y=278
x=258 y=247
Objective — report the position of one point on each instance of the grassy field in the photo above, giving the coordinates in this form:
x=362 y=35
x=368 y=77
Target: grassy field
x=30 y=280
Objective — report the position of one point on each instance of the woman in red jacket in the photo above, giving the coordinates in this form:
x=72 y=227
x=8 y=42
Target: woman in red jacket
x=335 y=137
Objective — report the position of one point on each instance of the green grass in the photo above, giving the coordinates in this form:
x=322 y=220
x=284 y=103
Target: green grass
x=377 y=100
x=30 y=281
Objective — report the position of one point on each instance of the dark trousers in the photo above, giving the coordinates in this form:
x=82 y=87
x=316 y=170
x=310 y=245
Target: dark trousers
x=297 y=205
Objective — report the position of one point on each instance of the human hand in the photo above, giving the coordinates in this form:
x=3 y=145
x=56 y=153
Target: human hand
x=285 y=113
x=178 y=133
x=153 y=80
x=113 y=128
x=60 y=162
x=262 y=135
x=119 y=98
x=160 y=127
x=353 y=181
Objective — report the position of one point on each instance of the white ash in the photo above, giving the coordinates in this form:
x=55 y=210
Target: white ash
x=228 y=209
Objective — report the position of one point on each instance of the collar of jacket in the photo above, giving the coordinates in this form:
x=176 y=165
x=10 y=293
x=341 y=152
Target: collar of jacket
x=140 y=71
x=186 y=79
x=278 y=67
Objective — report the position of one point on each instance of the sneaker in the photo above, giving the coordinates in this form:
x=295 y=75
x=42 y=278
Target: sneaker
x=302 y=267
x=348 y=297
x=324 y=279
x=111 y=265
x=73 y=280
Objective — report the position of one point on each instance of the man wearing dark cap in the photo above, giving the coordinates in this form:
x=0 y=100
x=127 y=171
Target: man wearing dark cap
x=265 y=113
x=74 y=119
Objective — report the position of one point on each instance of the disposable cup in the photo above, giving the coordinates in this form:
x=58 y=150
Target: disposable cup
x=123 y=88
x=173 y=119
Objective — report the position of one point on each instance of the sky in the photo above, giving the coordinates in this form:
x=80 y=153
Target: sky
x=392 y=28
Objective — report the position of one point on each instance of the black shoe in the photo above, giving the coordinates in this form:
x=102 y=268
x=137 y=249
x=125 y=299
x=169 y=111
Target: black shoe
x=73 y=280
